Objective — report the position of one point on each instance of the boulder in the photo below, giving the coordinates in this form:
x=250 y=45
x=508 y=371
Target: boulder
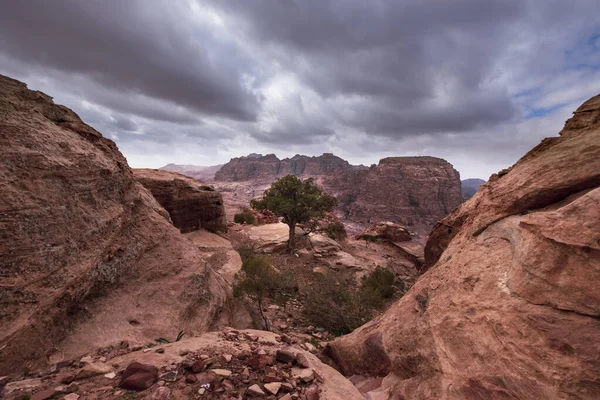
x=138 y=377
x=385 y=231
x=191 y=204
x=510 y=306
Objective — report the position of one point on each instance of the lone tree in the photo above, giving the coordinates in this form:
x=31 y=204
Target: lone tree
x=296 y=201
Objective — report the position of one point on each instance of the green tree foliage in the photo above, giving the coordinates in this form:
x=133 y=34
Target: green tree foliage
x=246 y=216
x=341 y=307
x=259 y=280
x=296 y=201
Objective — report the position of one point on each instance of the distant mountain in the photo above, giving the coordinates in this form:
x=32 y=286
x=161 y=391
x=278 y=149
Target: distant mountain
x=469 y=187
x=412 y=191
x=203 y=173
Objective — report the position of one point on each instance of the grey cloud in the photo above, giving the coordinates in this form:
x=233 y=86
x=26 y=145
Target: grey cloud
x=375 y=78
x=134 y=46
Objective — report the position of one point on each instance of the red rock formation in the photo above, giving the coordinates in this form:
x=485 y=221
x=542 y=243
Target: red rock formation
x=412 y=191
x=191 y=204
x=387 y=231
x=84 y=248
x=268 y=168
x=511 y=307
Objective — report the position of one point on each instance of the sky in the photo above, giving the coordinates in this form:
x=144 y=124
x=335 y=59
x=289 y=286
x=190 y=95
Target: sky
x=476 y=82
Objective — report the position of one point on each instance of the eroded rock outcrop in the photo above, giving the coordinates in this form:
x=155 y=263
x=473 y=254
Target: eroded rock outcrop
x=412 y=191
x=511 y=307
x=85 y=250
x=191 y=204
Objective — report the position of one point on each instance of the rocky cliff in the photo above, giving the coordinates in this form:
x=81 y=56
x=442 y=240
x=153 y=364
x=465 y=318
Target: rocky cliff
x=85 y=250
x=510 y=308
x=191 y=204
x=268 y=168
x=413 y=191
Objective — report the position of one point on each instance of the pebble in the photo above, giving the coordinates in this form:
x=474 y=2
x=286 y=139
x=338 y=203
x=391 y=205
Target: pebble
x=255 y=391
x=273 y=388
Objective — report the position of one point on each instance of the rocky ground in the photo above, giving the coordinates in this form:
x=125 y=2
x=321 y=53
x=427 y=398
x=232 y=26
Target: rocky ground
x=231 y=364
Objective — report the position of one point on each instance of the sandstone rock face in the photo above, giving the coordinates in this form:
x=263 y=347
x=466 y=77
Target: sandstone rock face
x=81 y=238
x=412 y=191
x=268 y=168
x=511 y=307
x=191 y=204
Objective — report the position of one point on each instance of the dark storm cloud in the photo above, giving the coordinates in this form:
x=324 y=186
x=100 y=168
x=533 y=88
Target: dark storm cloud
x=134 y=47
x=397 y=55
x=292 y=133
x=176 y=80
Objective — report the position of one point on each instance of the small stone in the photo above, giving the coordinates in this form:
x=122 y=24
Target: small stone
x=90 y=370
x=302 y=360
x=198 y=366
x=245 y=372
x=160 y=350
x=201 y=391
x=285 y=356
x=72 y=396
x=309 y=346
x=191 y=379
x=207 y=379
x=255 y=391
x=102 y=359
x=138 y=377
x=262 y=352
x=273 y=307
x=183 y=352
x=223 y=373
x=286 y=397
x=253 y=337
x=110 y=375
x=273 y=388
x=227 y=357
x=307 y=375
x=283 y=327
x=147 y=350
x=170 y=376
x=204 y=356
x=287 y=387
x=268 y=378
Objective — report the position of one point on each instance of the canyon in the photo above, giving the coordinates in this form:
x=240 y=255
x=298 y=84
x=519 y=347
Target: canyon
x=101 y=266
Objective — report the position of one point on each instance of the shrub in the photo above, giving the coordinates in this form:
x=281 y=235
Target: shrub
x=335 y=231
x=380 y=281
x=246 y=216
x=335 y=306
x=259 y=280
x=377 y=287
x=341 y=307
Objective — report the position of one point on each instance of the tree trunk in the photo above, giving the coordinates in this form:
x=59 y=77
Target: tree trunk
x=267 y=326
x=291 y=238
